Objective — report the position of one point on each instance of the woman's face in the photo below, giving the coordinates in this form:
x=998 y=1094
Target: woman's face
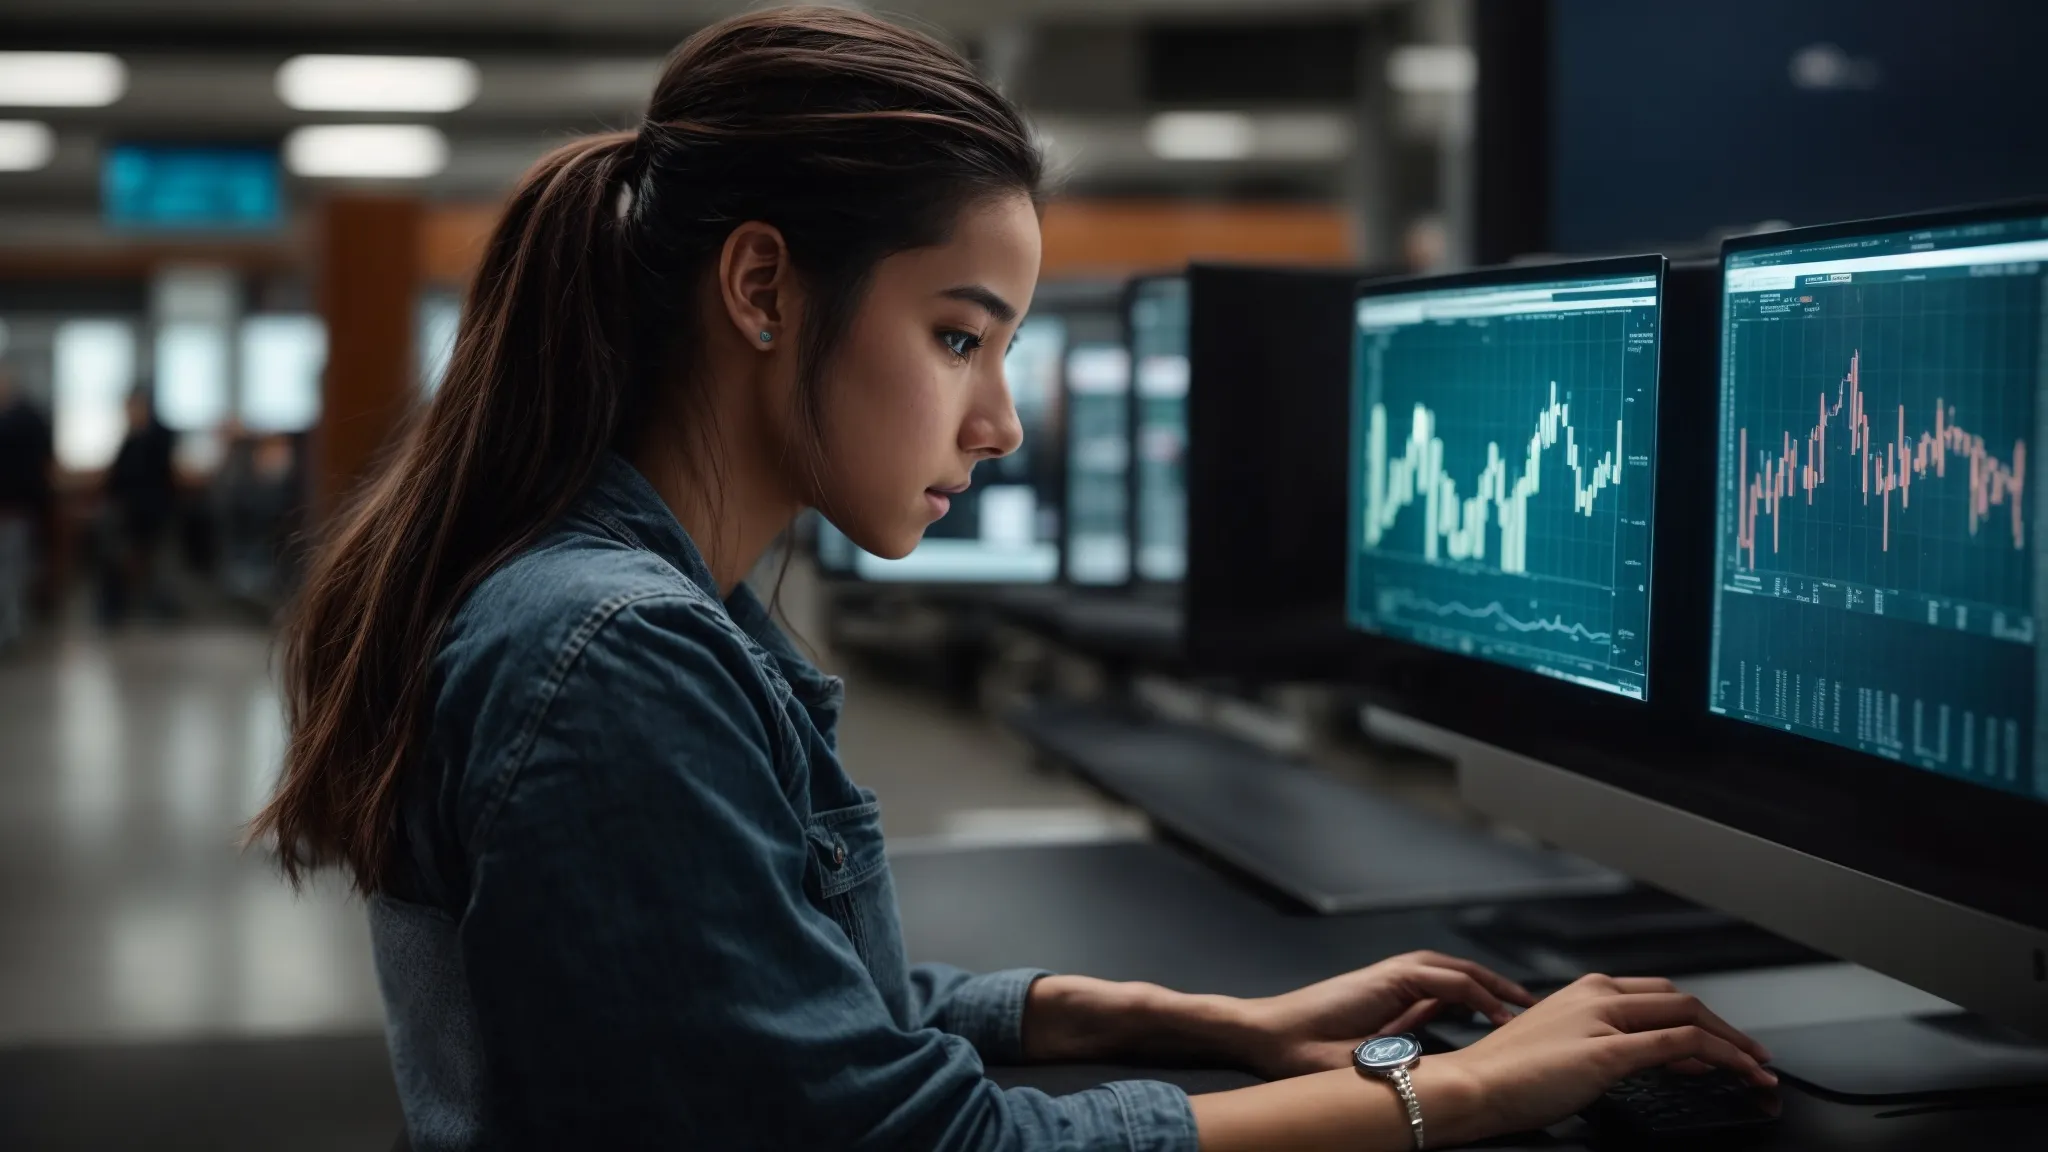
x=916 y=396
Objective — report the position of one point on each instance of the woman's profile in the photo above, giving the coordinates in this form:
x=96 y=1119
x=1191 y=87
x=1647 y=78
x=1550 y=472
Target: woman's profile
x=622 y=892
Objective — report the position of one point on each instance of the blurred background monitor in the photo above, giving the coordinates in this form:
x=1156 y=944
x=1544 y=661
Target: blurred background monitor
x=1156 y=315
x=1006 y=528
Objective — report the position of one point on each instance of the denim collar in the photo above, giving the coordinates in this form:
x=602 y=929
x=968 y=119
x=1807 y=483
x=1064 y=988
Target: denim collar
x=623 y=499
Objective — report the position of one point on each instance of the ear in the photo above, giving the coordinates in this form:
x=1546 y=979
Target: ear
x=756 y=284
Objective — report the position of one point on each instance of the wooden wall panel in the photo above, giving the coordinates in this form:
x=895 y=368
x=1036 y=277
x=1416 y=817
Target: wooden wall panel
x=369 y=277
x=1113 y=237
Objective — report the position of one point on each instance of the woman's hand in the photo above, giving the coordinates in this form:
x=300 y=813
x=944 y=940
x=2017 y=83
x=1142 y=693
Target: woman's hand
x=1557 y=1057
x=1540 y=1067
x=1315 y=1028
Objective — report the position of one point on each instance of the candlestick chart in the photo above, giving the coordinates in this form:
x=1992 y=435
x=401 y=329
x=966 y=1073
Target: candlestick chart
x=1503 y=487
x=1877 y=524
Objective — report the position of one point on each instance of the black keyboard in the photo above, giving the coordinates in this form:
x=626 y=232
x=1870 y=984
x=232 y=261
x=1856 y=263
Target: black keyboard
x=1664 y=1105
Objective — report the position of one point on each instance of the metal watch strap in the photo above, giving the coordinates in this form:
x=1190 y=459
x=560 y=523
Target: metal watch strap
x=1406 y=1088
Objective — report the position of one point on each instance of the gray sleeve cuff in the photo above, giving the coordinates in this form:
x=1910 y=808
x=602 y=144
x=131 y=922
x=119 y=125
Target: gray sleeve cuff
x=988 y=1012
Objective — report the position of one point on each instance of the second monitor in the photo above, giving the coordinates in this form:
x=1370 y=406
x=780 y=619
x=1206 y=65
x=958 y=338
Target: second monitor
x=1503 y=466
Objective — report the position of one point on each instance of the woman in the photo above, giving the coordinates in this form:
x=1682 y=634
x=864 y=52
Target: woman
x=623 y=893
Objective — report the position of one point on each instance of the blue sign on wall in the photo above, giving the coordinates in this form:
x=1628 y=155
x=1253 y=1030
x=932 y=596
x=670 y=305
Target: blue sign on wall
x=191 y=187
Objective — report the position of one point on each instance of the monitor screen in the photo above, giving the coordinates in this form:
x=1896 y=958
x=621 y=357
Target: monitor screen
x=1005 y=528
x=1159 y=355
x=1875 y=584
x=1502 y=439
x=1098 y=382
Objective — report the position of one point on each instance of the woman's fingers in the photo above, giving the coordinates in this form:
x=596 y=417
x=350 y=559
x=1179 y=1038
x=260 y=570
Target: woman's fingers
x=1637 y=1051
x=1637 y=985
x=1458 y=988
x=1493 y=981
x=1419 y=1013
x=1650 y=1011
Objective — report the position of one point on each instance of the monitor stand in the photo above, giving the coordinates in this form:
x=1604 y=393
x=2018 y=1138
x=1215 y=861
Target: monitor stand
x=1848 y=1032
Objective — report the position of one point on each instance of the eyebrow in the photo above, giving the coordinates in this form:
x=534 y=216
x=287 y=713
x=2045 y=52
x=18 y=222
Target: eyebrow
x=976 y=294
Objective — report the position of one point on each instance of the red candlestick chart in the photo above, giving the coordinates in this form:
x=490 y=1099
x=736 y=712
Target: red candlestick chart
x=1792 y=470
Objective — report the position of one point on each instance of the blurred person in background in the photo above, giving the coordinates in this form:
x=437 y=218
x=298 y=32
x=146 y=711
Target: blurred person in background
x=27 y=462
x=140 y=501
x=622 y=892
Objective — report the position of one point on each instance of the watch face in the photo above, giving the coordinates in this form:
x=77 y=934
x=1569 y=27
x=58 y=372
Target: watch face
x=1388 y=1051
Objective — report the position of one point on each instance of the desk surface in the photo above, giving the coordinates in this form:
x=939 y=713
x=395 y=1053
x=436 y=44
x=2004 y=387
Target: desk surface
x=1142 y=911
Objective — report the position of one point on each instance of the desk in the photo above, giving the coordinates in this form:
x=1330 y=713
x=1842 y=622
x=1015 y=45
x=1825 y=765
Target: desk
x=1142 y=911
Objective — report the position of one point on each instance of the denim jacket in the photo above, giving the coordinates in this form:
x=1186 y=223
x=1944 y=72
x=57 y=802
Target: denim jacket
x=646 y=907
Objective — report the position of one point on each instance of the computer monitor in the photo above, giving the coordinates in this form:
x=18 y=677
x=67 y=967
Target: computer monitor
x=1005 y=529
x=1098 y=385
x=1269 y=375
x=1854 y=758
x=1156 y=323
x=1503 y=467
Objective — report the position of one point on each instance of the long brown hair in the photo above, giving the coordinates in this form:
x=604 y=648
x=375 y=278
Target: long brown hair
x=856 y=138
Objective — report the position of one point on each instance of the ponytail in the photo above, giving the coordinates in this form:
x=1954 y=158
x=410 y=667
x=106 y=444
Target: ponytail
x=536 y=391
x=854 y=137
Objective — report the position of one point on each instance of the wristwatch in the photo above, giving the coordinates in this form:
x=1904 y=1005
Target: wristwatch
x=1389 y=1058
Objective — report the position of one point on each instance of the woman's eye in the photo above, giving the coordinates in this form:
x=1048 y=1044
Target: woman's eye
x=960 y=344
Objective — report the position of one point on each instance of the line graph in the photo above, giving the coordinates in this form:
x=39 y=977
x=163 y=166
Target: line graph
x=1397 y=601
x=1801 y=466
x=1460 y=523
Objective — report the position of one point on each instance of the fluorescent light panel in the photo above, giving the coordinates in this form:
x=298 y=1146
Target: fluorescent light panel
x=1441 y=68
x=377 y=83
x=61 y=79
x=366 y=151
x=25 y=145
x=1200 y=135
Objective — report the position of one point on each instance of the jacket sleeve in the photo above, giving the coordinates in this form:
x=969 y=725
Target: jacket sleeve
x=986 y=1010
x=646 y=969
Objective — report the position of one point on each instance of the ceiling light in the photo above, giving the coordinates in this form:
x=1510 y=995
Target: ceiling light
x=376 y=83
x=367 y=151
x=1200 y=135
x=61 y=79
x=25 y=145
x=1304 y=136
x=1433 y=68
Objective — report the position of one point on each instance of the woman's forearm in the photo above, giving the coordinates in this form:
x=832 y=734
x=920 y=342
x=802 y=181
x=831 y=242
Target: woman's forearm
x=1076 y=1018
x=1329 y=1111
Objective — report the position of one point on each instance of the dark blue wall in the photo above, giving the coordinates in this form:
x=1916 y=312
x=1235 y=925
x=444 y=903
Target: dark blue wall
x=1672 y=117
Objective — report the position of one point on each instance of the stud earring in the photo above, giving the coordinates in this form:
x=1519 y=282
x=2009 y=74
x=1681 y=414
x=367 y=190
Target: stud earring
x=766 y=336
